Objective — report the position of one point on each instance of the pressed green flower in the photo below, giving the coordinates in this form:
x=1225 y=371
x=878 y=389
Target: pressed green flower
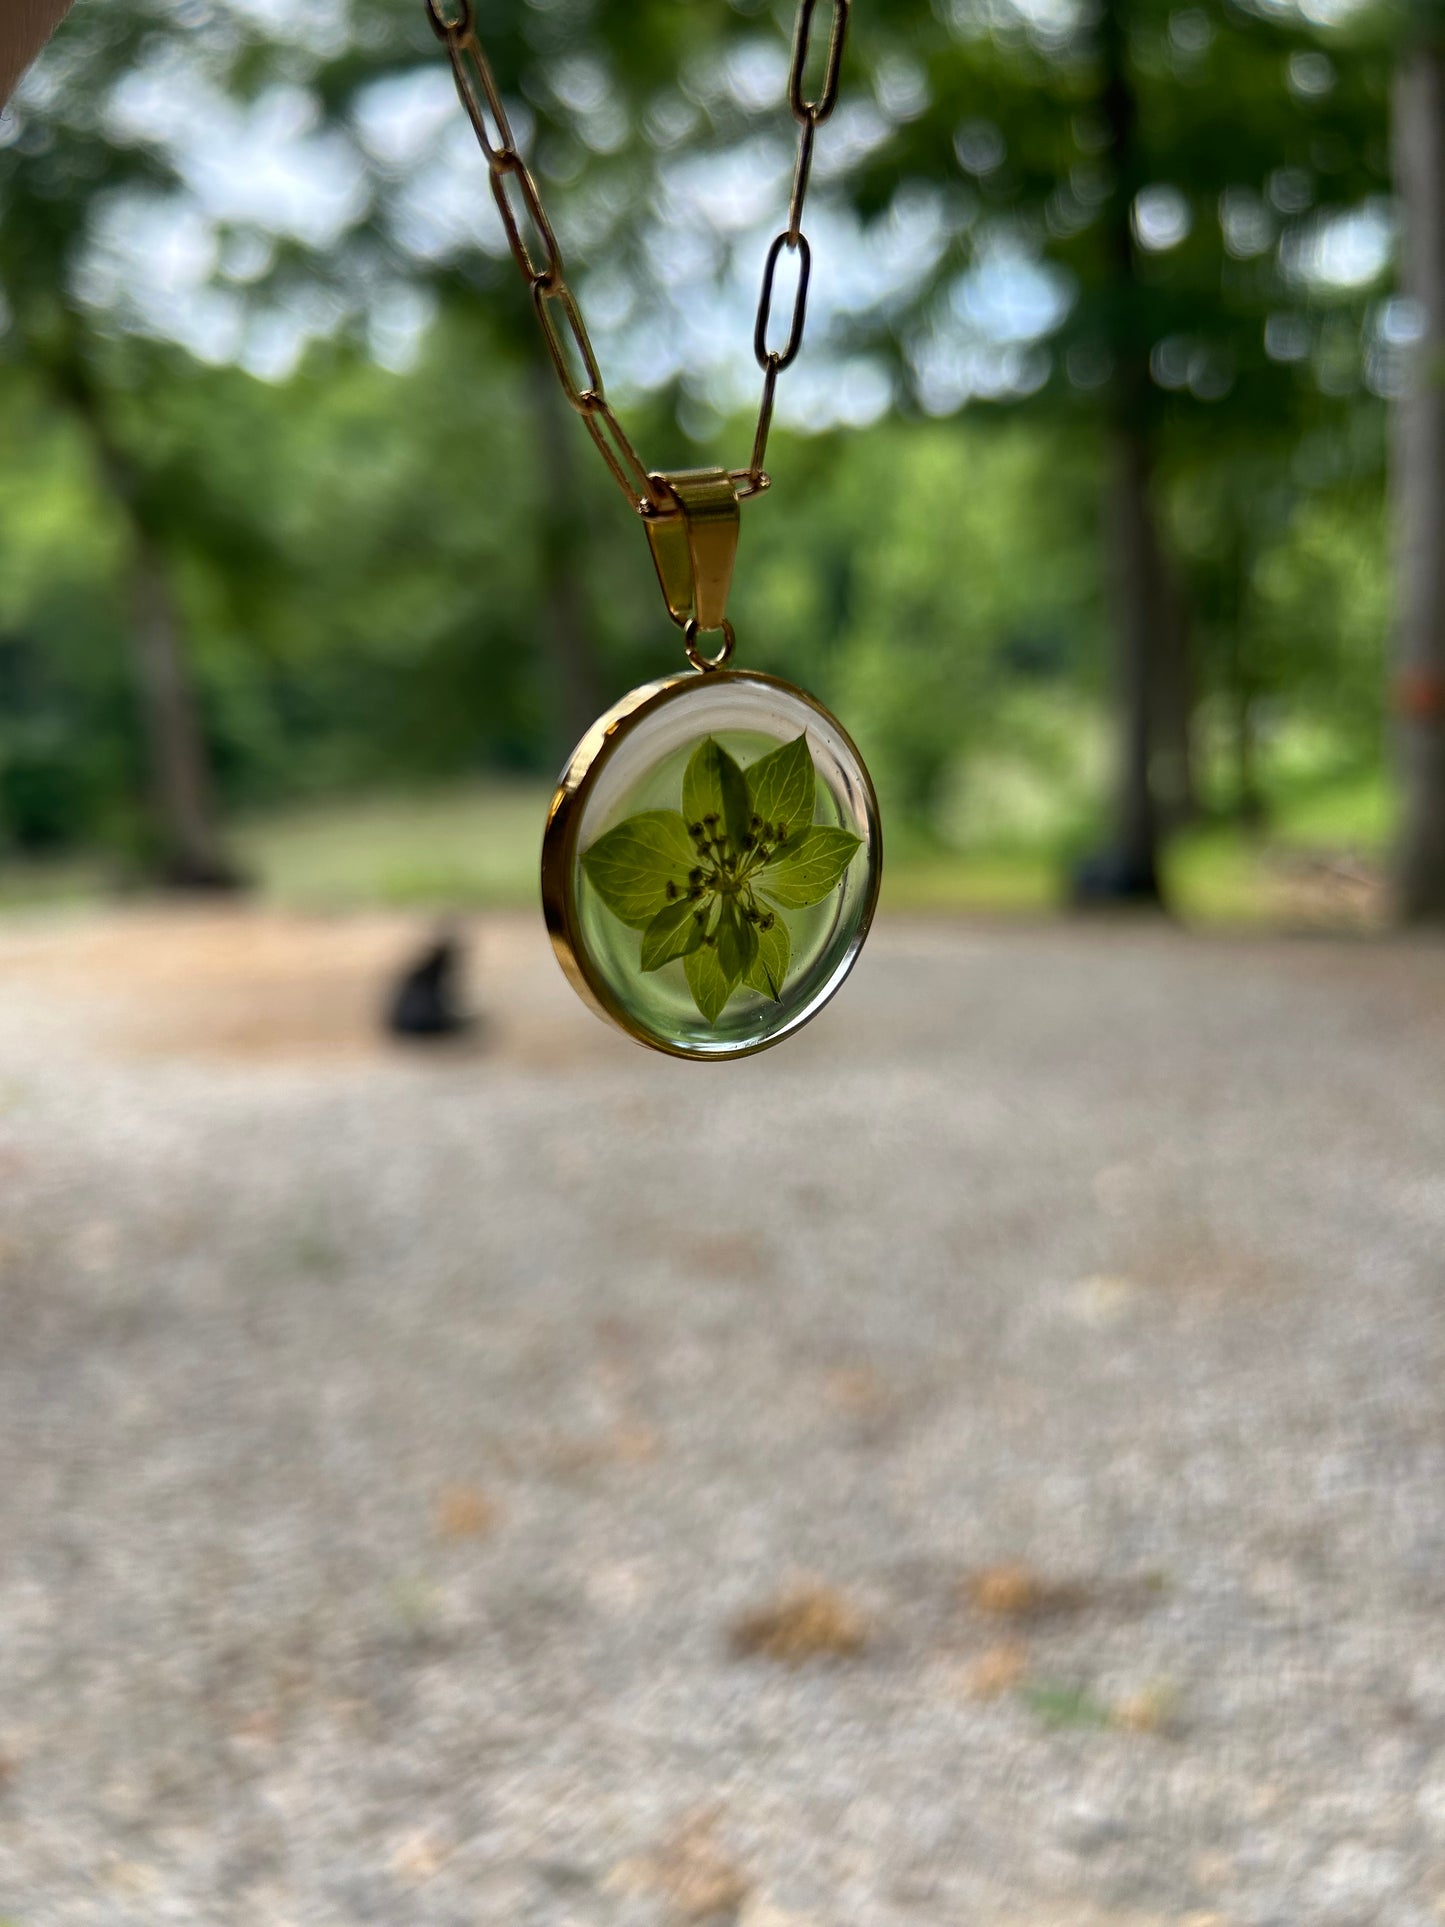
x=709 y=884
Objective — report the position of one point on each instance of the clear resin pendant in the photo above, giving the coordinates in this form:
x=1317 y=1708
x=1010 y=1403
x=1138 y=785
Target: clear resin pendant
x=711 y=862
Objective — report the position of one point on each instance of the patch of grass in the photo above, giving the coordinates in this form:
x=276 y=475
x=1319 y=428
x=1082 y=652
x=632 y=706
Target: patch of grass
x=475 y=846
x=1353 y=809
x=1321 y=860
x=1058 y=1704
x=28 y=885
x=1215 y=875
x=472 y=847
x=1017 y=882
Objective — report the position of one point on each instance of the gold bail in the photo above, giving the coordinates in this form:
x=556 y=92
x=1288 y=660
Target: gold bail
x=694 y=544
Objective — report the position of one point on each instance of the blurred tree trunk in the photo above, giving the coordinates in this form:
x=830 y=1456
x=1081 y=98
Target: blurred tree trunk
x=1136 y=571
x=1173 y=760
x=194 y=855
x=569 y=646
x=1134 y=559
x=1419 y=480
x=192 y=848
x=1249 y=801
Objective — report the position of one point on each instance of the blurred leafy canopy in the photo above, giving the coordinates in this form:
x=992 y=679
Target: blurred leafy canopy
x=357 y=548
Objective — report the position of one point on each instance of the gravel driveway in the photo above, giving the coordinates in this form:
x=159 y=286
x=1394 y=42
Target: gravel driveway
x=980 y=1465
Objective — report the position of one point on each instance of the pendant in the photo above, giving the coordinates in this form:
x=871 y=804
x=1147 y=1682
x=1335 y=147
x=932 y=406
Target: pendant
x=712 y=855
x=711 y=862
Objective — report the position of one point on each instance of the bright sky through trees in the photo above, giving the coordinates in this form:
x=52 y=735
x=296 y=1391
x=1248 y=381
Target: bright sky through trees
x=181 y=263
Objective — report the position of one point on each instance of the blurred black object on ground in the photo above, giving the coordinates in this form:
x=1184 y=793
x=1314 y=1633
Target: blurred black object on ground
x=426 y=999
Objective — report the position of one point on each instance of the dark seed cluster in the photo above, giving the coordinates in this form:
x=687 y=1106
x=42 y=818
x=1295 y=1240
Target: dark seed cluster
x=761 y=832
x=722 y=870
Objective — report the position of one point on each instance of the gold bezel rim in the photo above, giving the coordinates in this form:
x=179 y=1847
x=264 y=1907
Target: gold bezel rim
x=559 y=839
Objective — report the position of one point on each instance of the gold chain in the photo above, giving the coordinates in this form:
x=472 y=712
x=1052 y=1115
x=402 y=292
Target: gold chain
x=540 y=258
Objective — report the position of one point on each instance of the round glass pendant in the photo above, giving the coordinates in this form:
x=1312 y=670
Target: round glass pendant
x=711 y=862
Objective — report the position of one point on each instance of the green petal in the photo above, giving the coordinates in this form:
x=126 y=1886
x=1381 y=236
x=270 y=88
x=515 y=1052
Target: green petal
x=631 y=866
x=804 y=872
x=705 y=979
x=713 y=785
x=737 y=942
x=780 y=787
x=768 y=971
x=676 y=929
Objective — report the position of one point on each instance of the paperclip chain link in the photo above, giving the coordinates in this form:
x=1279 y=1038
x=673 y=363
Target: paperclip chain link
x=535 y=249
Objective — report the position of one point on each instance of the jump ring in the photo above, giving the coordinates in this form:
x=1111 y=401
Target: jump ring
x=446 y=29
x=695 y=656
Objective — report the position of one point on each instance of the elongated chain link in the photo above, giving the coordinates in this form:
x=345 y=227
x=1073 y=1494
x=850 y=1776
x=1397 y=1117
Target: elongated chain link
x=534 y=246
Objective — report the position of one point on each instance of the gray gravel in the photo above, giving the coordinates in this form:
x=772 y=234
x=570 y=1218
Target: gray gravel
x=390 y=1443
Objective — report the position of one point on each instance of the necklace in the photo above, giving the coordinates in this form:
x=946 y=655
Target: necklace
x=712 y=853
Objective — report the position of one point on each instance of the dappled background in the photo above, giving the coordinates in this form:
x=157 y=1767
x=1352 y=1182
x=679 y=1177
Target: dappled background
x=1088 y=445
x=982 y=1462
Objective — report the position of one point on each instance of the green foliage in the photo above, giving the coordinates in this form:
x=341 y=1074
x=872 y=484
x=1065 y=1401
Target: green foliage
x=367 y=560
x=1060 y=1704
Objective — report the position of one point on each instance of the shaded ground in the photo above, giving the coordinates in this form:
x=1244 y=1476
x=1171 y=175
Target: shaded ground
x=983 y=1463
